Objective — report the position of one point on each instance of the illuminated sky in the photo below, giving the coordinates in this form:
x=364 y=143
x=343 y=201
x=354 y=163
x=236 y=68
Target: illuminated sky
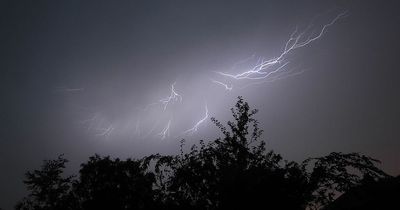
x=135 y=77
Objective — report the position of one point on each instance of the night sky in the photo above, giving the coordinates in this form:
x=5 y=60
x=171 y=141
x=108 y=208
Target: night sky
x=85 y=77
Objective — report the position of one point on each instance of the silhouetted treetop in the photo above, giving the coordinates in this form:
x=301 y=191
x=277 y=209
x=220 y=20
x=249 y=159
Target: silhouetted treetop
x=235 y=171
x=106 y=183
x=48 y=188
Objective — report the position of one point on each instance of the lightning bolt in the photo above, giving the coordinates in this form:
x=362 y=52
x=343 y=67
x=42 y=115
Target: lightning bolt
x=65 y=89
x=194 y=129
x=174 y=96
x=265 y=69
x=284 y=75
x=99 y=125
x=226 y=86
x=165 y=132
x=262 y=71
x=106 y=132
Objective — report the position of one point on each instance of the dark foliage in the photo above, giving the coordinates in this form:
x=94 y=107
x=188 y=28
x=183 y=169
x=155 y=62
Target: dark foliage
x=114 y=184
x=48 y=188
x=371 y=195
x=232 y=172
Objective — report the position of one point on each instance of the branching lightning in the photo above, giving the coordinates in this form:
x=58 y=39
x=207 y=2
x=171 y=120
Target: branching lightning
x=174 y=96
x=194 y=129
x=99 y=125
x=265 y=69
x=289 y=73
x=226 y=86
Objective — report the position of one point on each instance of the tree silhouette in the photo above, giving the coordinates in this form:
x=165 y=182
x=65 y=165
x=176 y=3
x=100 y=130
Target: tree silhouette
x=337 y=173
x=382 y=194
x=235 y=171
x=114 y=184
x=48 y=188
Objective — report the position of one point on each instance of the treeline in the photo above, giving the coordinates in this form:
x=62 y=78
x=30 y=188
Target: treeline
x=235 y=171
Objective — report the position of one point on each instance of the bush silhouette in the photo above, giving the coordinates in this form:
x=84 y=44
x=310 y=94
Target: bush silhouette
x=235 y=171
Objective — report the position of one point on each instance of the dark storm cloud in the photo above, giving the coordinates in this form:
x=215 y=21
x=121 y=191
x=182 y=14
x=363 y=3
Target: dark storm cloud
x=118 y=57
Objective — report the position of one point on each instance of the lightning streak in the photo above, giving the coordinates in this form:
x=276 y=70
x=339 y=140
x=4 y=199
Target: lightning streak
x=174 y=96
x=194 y=129
x=99 y=125
x=286 y=74
x=65 y=89
x=226 y=86
x=263 y=71
x=266 y=68
x=106 y=132
x=165 y=132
